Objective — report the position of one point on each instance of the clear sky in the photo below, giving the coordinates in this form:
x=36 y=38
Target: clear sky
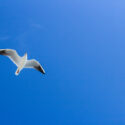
x=81 y=45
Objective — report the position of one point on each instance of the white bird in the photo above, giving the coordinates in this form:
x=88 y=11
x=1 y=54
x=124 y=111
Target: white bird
x=21 y=62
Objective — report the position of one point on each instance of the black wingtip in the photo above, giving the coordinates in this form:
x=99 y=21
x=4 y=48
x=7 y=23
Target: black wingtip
x=39 y=68
x=3 y=52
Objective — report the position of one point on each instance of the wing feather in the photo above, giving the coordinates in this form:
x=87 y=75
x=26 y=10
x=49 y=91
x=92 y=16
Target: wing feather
x=12 y=54
x=34 y=64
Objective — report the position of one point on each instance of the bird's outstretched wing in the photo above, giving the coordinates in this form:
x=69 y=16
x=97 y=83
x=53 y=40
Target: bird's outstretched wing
x=34 y=64
x=12 y=54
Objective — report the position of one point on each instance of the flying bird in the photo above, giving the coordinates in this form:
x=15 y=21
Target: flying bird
x=21 y=62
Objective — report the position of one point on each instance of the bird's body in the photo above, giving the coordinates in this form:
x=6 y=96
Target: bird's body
x=21 y=62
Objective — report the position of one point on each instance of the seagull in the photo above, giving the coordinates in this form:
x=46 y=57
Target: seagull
x=21 y=62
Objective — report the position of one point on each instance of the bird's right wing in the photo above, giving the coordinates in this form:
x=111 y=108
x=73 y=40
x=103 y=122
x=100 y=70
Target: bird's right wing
x=34 y=64
x=12 y=54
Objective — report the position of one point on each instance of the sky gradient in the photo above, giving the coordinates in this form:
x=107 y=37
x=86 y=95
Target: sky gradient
x=81 y=45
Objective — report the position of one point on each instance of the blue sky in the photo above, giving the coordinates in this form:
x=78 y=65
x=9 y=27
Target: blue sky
x=80 y=44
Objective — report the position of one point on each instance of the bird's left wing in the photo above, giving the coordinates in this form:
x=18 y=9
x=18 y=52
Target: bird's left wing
x=34 y=64
x=12 y=54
